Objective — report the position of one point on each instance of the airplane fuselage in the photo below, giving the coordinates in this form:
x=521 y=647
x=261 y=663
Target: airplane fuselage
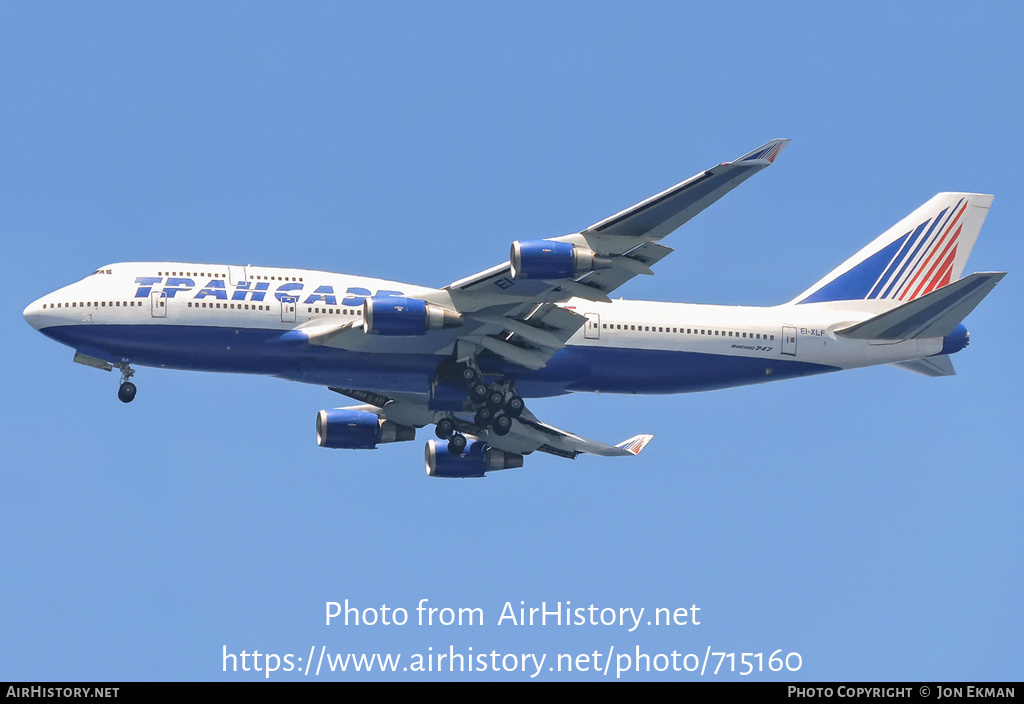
x=221 y=318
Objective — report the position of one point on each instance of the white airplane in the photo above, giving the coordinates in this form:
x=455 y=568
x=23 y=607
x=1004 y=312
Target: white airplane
x=463 y=357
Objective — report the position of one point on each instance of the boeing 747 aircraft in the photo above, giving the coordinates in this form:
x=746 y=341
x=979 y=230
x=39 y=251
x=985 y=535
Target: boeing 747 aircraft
x=462 y=358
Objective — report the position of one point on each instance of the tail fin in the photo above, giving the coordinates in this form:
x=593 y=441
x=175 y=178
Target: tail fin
x=922 y=252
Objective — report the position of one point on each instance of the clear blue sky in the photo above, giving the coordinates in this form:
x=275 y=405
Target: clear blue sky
x=870 y=520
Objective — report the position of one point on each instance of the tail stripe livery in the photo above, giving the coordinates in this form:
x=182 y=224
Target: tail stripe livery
x=902 y=267
x=927 y=255
x=947 y=262
x=918 y=241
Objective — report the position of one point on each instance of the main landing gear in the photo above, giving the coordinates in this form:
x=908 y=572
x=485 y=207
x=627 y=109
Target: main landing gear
x=126 y=392
x=495 y=406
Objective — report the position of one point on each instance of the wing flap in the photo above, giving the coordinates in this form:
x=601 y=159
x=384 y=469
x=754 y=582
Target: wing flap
x=626 y=267
x=531 y=340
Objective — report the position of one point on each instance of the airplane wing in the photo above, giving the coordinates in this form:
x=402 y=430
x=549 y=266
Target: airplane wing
x=528 y=434
x=660 y=214
x=628 y=237
x=513 y=311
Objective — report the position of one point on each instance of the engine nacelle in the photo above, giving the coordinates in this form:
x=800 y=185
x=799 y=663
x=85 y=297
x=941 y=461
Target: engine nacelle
x=546 y=259
x=478 y=458
x=358 y=430
x=405 y=316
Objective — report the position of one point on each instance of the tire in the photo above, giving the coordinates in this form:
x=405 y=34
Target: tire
x=483 y=418
x=468 y=376
x=514 y=406
x=126 y=392
x=445 y=428
x=502 y=424
x=495 y=398
x=478 y=393
x=457 y=444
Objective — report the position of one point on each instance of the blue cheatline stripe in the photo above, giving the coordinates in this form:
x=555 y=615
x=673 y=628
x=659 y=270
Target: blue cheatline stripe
x=254 y=351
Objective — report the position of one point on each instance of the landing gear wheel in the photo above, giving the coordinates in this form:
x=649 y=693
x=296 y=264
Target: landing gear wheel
x=478 y=393
x=495 y=398
x=468 y=376
x=514 y=406
x=483 y=418
x=126 y=393
x=502 y=424
x=445 y=428
x=457 y=444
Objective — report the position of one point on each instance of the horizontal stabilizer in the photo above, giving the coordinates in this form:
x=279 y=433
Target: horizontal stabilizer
x=933 y=315
x=939 y=365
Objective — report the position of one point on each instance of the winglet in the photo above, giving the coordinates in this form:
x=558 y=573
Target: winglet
x=635 y=444
x=768 y=152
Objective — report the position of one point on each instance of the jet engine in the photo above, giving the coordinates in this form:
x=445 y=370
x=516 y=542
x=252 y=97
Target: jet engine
x=405 y=316
x=358 y=430
x=546 y=259
x=478 y=458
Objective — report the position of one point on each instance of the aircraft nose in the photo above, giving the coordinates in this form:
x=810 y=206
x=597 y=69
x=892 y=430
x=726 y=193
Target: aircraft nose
x=33 y=314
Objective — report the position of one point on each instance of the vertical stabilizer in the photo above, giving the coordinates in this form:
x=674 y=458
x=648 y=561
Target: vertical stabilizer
x=923 y=252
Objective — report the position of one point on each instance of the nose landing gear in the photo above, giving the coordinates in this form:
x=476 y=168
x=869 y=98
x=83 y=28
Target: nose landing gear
x=126 y=392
